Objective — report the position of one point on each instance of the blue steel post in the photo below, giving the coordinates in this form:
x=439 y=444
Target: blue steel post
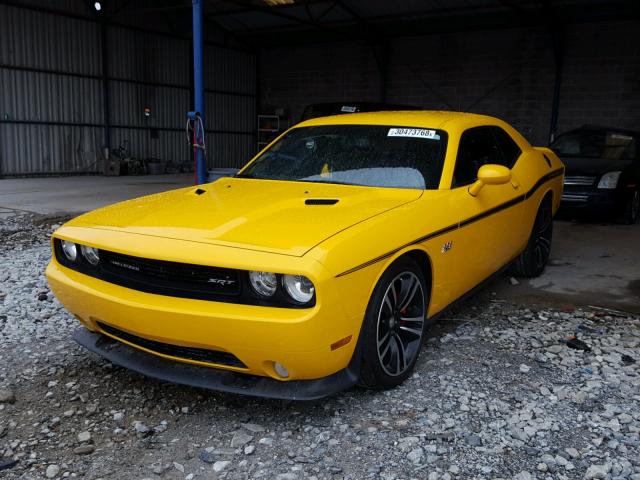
x=198 y=87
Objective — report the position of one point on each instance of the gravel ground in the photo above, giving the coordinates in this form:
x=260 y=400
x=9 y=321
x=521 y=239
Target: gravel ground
x=497 y=394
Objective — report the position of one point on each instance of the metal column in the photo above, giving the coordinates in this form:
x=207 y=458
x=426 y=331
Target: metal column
x=105 y=83
x=198 y=87
x=558 y=38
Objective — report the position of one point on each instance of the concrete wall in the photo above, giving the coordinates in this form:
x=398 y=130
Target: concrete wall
x=506 y=73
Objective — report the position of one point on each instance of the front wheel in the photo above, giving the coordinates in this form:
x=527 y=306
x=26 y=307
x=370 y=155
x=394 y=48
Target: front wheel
x=394 y=325
x=533 y=259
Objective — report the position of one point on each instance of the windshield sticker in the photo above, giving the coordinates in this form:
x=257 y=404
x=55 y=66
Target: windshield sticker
x=414 y=133
x=348 y=109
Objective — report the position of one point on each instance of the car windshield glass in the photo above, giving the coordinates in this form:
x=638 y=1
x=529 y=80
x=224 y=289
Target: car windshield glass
x=368 y=155
x=596 y=144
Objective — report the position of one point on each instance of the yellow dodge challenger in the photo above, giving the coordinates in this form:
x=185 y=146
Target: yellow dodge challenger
x=317 y=266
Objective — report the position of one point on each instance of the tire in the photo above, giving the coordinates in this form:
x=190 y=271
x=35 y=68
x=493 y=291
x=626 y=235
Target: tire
x=394 y=326
x=534 y=257
x=632 y=211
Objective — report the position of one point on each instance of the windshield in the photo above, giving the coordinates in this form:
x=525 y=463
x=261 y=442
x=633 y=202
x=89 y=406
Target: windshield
x=596 y=144
x=368 y=155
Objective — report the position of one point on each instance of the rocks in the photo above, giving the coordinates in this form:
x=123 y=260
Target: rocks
x=253 y=427
x=52 y=471
x=249 y=449
x=625 y=418
x=240 y=439
x=597 y=471
x=207 y=457
x=573 y=453
x=524 y=475
x=416 y=456
x=84 y=449
x=496 y=394
x=7 y=395
x=474 y=441
x=555 y=349
x=220 y=465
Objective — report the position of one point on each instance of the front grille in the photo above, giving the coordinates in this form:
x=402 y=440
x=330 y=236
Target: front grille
x=579 y=180
x=188 y=353
x=170 y=278
x=173 y=279
x=572 y=197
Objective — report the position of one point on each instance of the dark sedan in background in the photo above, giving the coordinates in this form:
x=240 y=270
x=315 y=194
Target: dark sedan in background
x=602 y=176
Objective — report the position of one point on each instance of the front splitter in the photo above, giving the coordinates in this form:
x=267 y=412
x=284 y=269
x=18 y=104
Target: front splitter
x=214 y=379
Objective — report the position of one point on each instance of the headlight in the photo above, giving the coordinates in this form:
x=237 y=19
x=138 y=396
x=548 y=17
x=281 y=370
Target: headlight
x=299 y=288
x=70 y=250
x=264 y=283
x=90 y=254
x=609 y=180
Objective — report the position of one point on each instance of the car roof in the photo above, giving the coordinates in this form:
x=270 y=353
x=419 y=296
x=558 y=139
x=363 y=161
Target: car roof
x=316 y=110
x=602 y=128
x=412 y=118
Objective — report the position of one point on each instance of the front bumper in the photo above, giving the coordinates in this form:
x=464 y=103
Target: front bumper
x=299 y=339
x=597 y=202
x=212 y=379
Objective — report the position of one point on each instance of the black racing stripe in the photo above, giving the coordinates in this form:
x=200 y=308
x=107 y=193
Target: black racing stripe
x=491 y=211
x=442 y=231
x=455 y=226
x=543 y=180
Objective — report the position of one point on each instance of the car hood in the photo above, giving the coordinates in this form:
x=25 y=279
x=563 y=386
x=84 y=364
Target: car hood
x=275 y=216
x=592 y=166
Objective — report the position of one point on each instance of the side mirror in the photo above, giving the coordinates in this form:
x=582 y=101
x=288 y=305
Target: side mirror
x=490 y=174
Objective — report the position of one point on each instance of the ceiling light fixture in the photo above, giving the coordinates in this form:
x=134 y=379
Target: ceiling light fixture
x=97 y=6
x=277 y=3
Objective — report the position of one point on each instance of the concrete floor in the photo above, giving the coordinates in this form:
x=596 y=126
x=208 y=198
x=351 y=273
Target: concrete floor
x=591 y=264
x=68 y=195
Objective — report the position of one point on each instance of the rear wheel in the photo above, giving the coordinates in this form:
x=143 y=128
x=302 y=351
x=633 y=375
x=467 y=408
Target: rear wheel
x=533 y=259
x=632 y=211
x=394 y=326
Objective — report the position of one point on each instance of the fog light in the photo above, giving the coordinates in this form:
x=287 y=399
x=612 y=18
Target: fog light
x=281 y=370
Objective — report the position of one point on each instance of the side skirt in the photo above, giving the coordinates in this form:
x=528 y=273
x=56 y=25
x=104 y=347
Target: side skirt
x=470 y=293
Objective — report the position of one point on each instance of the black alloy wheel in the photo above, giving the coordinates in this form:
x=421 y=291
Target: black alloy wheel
x=534 y=258
x=394 y=325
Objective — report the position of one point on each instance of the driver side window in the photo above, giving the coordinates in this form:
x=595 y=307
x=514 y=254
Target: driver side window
x=480 y=146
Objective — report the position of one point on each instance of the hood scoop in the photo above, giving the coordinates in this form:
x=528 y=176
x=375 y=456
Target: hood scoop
x=321 y=201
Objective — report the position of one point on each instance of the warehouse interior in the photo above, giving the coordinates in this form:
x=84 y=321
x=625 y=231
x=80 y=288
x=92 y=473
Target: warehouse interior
x=431 y=294
x=76 y=80
x=87 y=86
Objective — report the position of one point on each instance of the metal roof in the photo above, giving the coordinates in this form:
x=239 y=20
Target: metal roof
x=257 y=23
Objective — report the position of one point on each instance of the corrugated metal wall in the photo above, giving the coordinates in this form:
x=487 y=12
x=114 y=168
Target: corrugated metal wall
x=52 y=115
x=230 y=103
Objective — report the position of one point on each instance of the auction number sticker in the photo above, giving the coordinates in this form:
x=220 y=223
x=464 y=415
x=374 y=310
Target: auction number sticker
x=413 y=133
